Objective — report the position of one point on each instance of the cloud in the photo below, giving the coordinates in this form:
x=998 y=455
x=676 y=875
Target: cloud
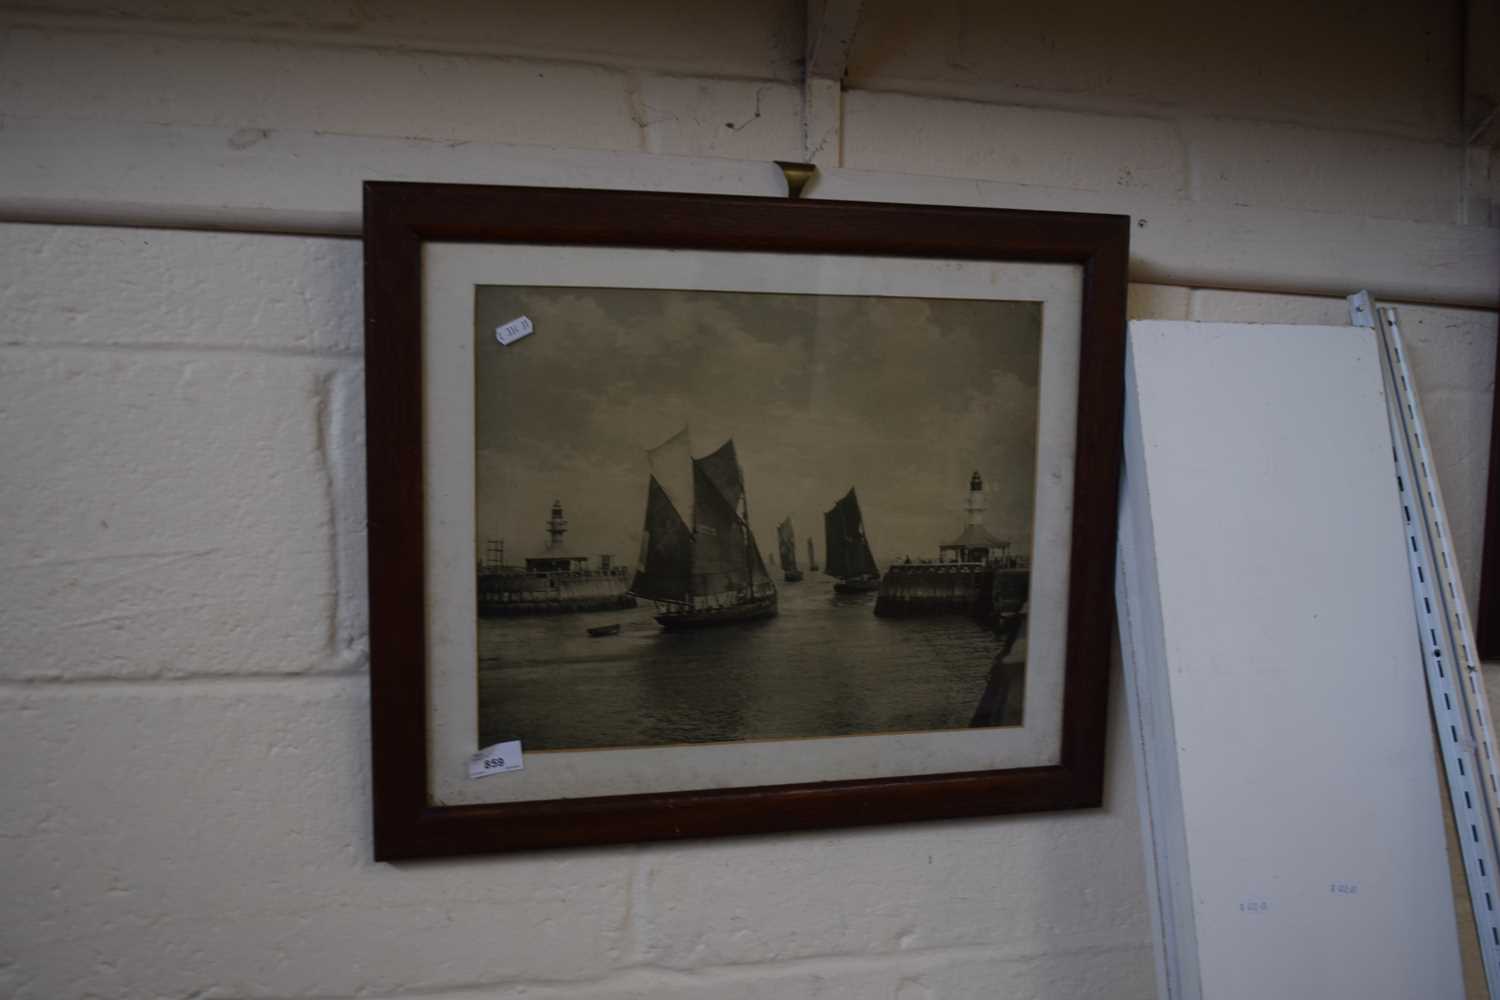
x=902 y=398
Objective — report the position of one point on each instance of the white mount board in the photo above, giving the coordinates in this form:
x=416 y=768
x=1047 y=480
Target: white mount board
x=1273 y=671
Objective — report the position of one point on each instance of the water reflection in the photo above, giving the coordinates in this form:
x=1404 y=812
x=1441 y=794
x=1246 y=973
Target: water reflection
x=825 y=666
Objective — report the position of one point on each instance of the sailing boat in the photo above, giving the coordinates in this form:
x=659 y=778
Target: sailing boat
x=812 y=558
x=699 y=562
x=787 y=542
x=848 y=550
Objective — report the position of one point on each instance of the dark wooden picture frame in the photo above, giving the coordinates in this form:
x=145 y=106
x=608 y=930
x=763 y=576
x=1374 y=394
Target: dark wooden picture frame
x=1487 y=624
x=400 y=217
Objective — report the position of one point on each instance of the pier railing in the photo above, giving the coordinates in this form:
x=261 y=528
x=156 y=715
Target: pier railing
x=983 y=590
x=521 y=590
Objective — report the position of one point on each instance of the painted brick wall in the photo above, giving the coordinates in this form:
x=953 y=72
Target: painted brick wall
x=182 y=623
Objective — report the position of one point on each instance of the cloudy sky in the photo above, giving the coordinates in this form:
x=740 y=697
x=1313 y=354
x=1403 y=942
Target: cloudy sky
x=900 y=398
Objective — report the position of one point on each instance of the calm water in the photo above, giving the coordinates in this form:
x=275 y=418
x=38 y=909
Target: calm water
x=825 y=666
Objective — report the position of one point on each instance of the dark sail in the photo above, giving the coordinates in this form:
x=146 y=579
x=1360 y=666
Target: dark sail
x=722 y=469
x=709 y=564
x=847 y=551
x=833 y=543
x=812 y=557
x=721 y=563
x=760 y=580
x=664 y=572
x=787 y=543
x=726 y=560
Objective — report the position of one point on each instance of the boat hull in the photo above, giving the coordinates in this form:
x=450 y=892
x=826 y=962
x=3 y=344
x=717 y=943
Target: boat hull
x=857 y=585
x=760 y=607
x=792 y=576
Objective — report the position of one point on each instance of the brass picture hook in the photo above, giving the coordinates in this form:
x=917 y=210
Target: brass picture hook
x=797 y=175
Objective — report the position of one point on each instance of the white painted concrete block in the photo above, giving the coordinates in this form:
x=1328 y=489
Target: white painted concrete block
x=76 y=285
x=1450 y=348
x=1062 y=879
x=255 y=86
x=1144 y=301
x=1075 y=971
x=723 y=37
x=1214 y=246
x=166 y=514
x=310 y=182
x=749 y=119
x=1060 y=149
x=164 y=176
x=1237 y=162
x=213 y=839
x=1215 y=305
x=1273 y=60
x=1067 y=879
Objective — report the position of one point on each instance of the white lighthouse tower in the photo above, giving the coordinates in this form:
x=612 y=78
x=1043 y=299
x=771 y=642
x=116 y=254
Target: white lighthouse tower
x=557 y=526
x=555 y=557
x=976 y=544
x=974 y=504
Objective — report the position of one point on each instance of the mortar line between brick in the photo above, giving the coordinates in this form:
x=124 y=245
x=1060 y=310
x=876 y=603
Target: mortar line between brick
x=1155 y=110
x=345 y=465
x=638 y=915
x=344 y=226
x=322 y=434
x=1191 y=189
x=354 y=670
x=338 y=358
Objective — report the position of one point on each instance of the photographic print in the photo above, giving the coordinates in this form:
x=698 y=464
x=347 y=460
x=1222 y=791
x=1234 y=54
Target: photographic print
x=718 y=516
x=728 y=515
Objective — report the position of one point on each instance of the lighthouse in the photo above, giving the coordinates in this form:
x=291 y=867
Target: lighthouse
x=557 y=526
x=553 y=582
x=974 y=504
x=976 y=544
x=555 y=557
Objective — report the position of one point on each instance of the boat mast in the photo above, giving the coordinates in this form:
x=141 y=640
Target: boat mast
x=745 y=500
x=693 y=533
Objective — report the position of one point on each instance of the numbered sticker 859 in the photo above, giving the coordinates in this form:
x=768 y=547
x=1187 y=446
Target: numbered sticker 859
x=497 y=759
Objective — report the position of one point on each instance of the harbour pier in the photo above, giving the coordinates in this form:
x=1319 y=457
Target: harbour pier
x=975 y=574
x=555 y=582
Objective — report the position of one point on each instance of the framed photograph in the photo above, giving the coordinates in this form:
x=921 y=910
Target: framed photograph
x=695 y=516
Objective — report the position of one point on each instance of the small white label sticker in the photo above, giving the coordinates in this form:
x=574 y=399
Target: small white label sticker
x=513 y=331
x=497 y=759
